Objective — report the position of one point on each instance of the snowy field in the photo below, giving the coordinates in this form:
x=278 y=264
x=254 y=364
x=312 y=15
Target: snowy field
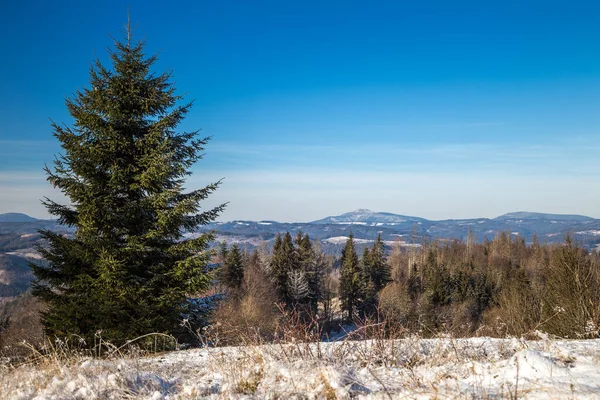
x=375 y=369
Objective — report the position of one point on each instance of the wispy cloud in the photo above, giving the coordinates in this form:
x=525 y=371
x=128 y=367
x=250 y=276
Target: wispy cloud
x=307 y=194
x=376 y=156
x=21 y=178
x=439 y=180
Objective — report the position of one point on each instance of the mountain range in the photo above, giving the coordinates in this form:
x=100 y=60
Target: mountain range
x=19 y=234
x=365 y=225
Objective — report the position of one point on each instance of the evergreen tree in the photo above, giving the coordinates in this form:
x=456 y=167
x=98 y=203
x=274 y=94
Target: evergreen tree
x=313 y=266
x=351 y=279
x=279 y=268
x=128 y=268
x=366 y=259
x=375 y=274
x=233 y=269
x=316 y=270
x=379 y=271
x=285 y=260
x=304 y=249
x=369 y=303
x=222 y=253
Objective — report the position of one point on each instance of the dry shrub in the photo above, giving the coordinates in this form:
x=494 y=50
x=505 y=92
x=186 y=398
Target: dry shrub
x=395 y=304
x=25 y=326
x=246 y=320
x=250 y=314
x=518 y=312
x=572 y=298
x=462 y=319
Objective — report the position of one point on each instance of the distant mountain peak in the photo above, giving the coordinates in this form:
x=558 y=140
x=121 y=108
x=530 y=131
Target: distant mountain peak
x=361 y=211
x=543 y=216
x=363 y=216
x=16 y=217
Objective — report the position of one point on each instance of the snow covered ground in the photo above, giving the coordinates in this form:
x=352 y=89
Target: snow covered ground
x=411 y=368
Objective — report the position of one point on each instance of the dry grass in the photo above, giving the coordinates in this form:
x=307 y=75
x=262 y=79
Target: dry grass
x=379 y=367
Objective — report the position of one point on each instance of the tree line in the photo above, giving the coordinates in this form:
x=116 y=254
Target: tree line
x=498 y=287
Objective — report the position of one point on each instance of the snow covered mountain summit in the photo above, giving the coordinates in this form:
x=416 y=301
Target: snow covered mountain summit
x=363 y=216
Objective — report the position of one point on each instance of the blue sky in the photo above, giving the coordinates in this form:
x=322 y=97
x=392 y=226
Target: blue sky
x=437 y=109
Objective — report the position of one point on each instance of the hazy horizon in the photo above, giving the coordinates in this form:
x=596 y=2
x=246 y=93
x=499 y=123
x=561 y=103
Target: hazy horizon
x=46 y=216
x=437 y=110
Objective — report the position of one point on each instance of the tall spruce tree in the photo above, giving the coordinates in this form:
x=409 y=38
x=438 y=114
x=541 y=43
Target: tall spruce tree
x=128 y=268
x=313 y=263
x=283 y=261
x=379 y=268
x=376 y=274
x=369 y=304
x=351 y=279
x=277 y=268
x=233 y=268
x=305 y=269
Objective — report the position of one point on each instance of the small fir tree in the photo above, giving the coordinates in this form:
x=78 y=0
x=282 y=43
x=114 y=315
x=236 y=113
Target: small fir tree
x=222 y=255
x=351 y=279
x=128 y=268
x=312 y=265
x=379 y=271
x=233 y=269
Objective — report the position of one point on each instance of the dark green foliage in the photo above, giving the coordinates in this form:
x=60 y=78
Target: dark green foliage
x=478 y=288
x=368 y=304
x=439 y=286
x=297 y=270
x=312 y=265
x=351 y=279
x=233 y=269
x=278 y=268
x=222 y=252
x=376 y=274
x=304 y=248
x=283 y=261
x=128 y=269
x=379 y=269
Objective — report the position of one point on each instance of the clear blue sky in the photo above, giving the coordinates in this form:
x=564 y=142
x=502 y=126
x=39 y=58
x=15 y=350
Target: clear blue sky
x=437 y=109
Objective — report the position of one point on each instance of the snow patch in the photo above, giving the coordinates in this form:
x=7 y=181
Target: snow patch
x=343 y=239
x=366 y=369
x=591 y=232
